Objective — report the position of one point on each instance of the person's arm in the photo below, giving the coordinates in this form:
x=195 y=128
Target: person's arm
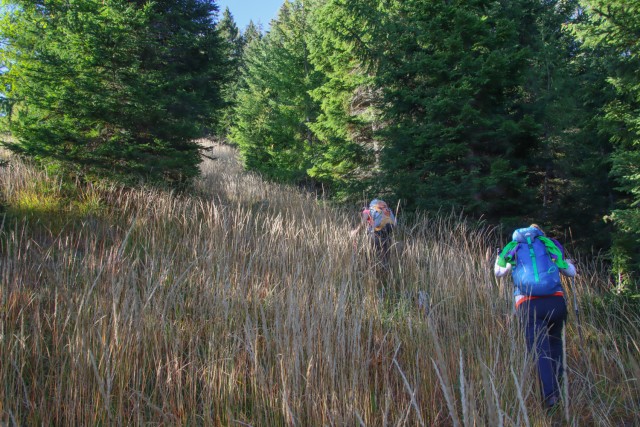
x=501 y=271
x=570 y=271
x=503 y=263
x=363 y=220
x=355 y=230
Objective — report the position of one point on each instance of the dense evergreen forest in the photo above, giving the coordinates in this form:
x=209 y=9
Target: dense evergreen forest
x=511 y=111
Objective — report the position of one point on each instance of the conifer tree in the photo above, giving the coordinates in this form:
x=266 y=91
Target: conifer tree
x=476 y=100
x=347 y=99
x=111 y=87
x=456 y=131
x=233 y=44
x=251 y=32
x=574 y=189
x=612 y=28
x=274 y=108
x=561 y=95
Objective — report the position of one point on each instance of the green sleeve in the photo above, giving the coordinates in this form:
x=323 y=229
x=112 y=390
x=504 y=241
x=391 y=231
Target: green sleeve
x=504 y=258
x=554 y=250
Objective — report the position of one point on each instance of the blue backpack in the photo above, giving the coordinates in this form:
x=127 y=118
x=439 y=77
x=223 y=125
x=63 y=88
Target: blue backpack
x=534 y=273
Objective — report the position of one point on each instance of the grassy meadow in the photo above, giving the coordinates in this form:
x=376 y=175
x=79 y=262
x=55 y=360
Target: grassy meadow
x=248 y=304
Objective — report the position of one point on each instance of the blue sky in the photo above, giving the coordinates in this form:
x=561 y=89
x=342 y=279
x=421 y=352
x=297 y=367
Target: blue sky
x=243 y=11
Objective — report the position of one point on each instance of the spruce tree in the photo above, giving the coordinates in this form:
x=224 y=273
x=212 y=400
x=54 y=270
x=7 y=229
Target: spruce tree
x=251 y=32
x=274 y=108
x=575 y=190
x=456 y=132
x=111 y=87
x=233 y=44
x=347 y=98
x=612 y=28
x=568 y=173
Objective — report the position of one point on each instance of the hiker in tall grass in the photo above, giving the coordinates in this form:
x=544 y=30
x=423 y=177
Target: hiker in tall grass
x=379 y=221
x=536 y=262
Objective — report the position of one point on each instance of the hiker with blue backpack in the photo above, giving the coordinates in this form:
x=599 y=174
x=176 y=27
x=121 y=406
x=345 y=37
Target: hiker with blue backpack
x=379 y=220
x=535 y=263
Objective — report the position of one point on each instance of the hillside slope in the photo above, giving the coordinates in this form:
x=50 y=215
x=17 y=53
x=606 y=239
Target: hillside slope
x=250 y=305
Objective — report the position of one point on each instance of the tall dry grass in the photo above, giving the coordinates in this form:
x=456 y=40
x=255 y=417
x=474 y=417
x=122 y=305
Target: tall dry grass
x=250 y=305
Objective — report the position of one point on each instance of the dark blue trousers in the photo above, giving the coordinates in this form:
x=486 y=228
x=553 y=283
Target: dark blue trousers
x=544 y=319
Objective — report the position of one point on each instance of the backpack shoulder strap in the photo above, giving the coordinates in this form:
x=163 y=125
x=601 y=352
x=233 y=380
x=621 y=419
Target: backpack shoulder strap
x=555 y=252
x=532 y=254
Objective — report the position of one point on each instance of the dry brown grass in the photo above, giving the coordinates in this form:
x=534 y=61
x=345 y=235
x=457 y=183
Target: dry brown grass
x=250 y=306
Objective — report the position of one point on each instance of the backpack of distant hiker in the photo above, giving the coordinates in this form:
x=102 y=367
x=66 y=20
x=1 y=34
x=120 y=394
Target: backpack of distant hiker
x=535 y=272
x=380 y=215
